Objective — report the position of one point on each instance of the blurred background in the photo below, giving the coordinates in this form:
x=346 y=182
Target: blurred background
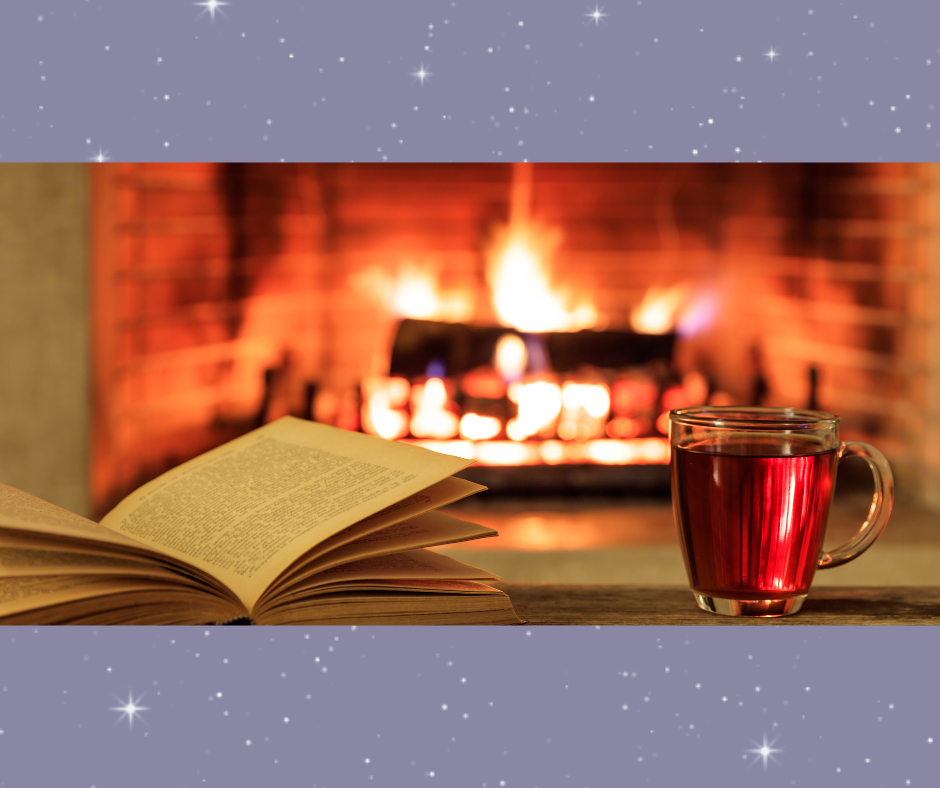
x=539 y=319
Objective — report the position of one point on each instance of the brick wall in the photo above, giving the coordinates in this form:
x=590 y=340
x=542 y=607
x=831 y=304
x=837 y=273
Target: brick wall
x=207 y=275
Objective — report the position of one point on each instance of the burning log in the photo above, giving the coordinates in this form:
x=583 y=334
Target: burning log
x=459 y=348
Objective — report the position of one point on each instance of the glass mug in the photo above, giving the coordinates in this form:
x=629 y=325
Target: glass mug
x=751 y=490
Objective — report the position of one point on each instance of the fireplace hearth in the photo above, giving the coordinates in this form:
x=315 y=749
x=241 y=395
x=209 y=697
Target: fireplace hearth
x=537 y=318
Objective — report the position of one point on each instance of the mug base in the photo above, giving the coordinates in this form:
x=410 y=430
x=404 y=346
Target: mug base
x=763 y=608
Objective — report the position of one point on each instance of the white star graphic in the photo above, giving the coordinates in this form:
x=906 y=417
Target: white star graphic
x=100 y=157
x=130 y=709
x=421 y=74
x=764 y=752
x=596 y=15
x=771 y=54
x=211 y=6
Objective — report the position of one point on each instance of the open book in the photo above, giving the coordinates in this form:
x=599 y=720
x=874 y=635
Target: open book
x=293 y=523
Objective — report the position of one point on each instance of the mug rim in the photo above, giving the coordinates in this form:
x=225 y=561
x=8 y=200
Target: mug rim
x=753 y=417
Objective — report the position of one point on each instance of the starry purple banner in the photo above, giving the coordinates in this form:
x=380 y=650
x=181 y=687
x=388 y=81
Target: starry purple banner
x=469 y=80
x=468 y=707
x=265 y=80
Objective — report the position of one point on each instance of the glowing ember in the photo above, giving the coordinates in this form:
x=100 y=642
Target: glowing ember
x=506 y=453
x=593 y=398
x=385 y=421
x=584 y=410
x=539 y=406
x=380 y=415
x=659 y=311
x=553 y=452
x=483 y=383
x=646 y=451
x=633 y=396
x=431 y=418
x=624 y=427
x=511 y=356
x=473 y=426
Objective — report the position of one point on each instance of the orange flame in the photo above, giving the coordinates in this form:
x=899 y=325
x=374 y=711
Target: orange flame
x=660 y=309
x=645 y=451
x=522 y=295
x=539 y=406
x=417 y=295
x=413 y=291
x=431 y=419
x=511 y=356
x=382 y=398
x=473 y=426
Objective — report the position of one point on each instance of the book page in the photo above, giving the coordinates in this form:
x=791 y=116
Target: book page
x=444 y=492
x=426 y=530
x=405 y=566
x=70 y=599
x=25 y=512
x=245 y=511
x=16 y=562
x=456 y=602
x=18 y=594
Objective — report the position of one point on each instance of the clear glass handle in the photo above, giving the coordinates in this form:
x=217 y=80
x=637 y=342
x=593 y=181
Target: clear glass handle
x=880 y=510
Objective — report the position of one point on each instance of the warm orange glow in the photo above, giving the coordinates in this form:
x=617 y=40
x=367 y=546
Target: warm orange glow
x=506 y=453
x=379 y=416
x=430 y=418
x=662 y=423
x=624 y=427
x=453 y=448
x=633 y=396
x=645 y=451
x=721 y=399
x=593 y=398
x=553 y=452
x=539 y=406
x=584 y=410
x=674 y=398
x=511 y=356
x=435 y=394
x=574 y=431
x=693 y=391
x=473 y=426
x=397 y=390
x=483 y=383
x=385 y=422
x=434 y=424
x=659 y=311
x=518 y=276
x=695 y=385
x=413 y=291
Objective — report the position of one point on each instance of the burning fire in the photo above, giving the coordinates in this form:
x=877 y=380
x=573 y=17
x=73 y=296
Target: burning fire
x=473 y=426
x=381 y=414
x=522 y=295
x=511 y=357
x=536 y=435
x=539 y=405
x=431 y=417
x=416 y=295
x=585 y=407
x=660 y=309
x=653 y=451
x=413 y=291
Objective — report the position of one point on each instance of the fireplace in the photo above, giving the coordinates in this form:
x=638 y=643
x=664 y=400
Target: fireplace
x=537 y=318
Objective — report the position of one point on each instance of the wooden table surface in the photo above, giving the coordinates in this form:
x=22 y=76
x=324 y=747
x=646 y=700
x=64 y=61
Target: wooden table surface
x=556 y=604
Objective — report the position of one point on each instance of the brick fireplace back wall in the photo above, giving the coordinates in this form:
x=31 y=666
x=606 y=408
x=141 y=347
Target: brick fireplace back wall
x=205 y=276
